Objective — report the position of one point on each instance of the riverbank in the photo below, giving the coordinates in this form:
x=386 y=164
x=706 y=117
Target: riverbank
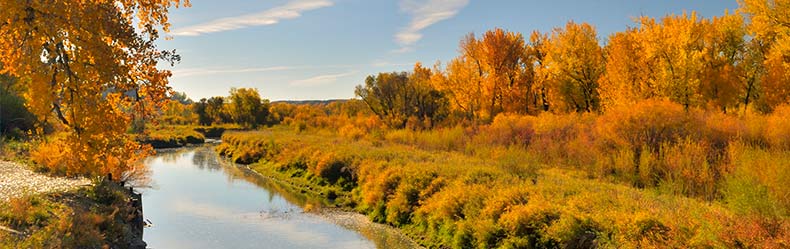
x=177 y=136
x=43 y=211
x=452 y=195
x=17 y=181
x=103 y=214
x=203 y=201
x=318 y=202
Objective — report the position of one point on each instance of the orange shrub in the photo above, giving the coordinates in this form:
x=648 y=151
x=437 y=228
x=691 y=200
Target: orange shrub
x=351 y=131
x=647 y=124
x=684 y=169
x=51 y=156
x=562 y=139
x=509 y=130
x=777 y=128
x=721 y=129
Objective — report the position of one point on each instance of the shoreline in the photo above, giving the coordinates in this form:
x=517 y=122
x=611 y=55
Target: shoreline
x=342 y=216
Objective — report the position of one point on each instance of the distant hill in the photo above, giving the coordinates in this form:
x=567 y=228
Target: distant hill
x=310 y=102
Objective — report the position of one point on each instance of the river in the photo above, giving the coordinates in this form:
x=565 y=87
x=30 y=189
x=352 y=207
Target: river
x=198 y=200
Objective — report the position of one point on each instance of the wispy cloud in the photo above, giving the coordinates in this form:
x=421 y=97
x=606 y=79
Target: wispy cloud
x=424 y=14
x=208 y=71
x=290 y=10
x=203 y=71
x=321 y=79
x=383 y=63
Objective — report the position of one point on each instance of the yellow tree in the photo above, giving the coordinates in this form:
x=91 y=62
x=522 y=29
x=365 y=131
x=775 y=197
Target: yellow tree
x=720 y=82
x=507 y=71
x=536 y=51
x=576 y=62
x=493 y=74
x=247 y=108
x=628 y=75
x=676 y=49
x=770 y=27
x=461 y=83
x=89 y=68
x=463 y=80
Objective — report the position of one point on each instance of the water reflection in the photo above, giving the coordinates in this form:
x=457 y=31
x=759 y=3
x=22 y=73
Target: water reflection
x=202 y=201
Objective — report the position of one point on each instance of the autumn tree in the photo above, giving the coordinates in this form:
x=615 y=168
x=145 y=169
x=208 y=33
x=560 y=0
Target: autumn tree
x=576 y=62
x=537 y=51
x=507 y=71
x=398 y=97
x=247 y=108
x=670 y=59
x=676 y=48
x=462 y=84
x=217 y=111
x=628 y=76
x=199 y=108
x=430 y=104
x=493 y=74
x=769 y=25
x=212 y=111
x=720 y=82
x=87 y=66
x=175 y=112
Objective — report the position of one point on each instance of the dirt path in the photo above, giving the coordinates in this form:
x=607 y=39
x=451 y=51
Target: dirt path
x=16 y=180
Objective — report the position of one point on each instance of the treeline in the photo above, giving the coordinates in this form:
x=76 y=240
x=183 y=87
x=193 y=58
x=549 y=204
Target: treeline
x=244 y=106
x=734 y=62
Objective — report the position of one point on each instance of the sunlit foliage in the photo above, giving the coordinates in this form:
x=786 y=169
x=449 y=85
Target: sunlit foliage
x=404 y=99
x=576 y=62
x=672 y=134
x=246 y=107
x=88 y=67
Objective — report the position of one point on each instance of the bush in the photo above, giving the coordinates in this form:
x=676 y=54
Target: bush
x=509 y=130
x=172 y=137
x=480 y=187
x=777 y=130
x=758 y=182
x=684 y=169
x=648 y=124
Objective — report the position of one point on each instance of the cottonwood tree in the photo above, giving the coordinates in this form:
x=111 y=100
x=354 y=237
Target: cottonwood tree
x=247 y=108
x=492 y=75
x=387 y=94
x=720 y=78
x=398 y=97
x=628 y=76
x=86 y=65
x=676 y=47
x=462 y=84
x=507 y=71
x=576 y=63
x=538 y=49
x=770 y=27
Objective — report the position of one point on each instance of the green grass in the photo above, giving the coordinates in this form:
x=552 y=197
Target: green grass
x=171 y=136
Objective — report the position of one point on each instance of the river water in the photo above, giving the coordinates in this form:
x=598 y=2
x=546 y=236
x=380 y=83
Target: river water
x=198 y=200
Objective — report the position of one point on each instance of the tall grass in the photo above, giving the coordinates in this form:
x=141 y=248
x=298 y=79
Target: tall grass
x=621 y=179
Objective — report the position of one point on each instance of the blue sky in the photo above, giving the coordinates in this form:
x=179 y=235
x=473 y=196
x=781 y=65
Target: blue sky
x=321 y=49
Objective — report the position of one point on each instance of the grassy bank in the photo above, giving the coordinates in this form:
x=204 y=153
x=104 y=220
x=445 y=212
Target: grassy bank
x=174 y=136
x=171 y=136
x=92 y=217
x=461 y=187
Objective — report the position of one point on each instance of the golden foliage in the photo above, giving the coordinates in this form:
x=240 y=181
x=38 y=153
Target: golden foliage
x=88 y=67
